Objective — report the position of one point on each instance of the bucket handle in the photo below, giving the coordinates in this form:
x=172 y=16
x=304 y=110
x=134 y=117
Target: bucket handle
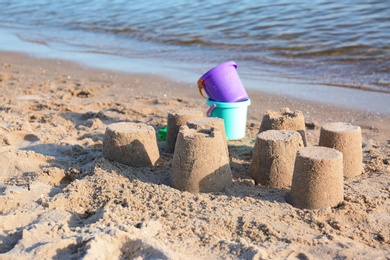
x=200 y=87
x=211 y=108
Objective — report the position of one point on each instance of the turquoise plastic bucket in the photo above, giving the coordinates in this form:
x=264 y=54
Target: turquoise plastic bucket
x=234 y=115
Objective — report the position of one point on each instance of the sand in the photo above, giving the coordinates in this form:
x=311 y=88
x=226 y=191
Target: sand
x=59 y=198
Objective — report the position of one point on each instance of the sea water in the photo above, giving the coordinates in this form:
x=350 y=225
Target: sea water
x=326 y=42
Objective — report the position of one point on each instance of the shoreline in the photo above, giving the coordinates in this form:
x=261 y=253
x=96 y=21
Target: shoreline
x=188 y=74
x=59 y=198
x=163 y=87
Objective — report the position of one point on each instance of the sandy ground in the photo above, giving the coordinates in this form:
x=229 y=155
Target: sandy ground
x=60 y=199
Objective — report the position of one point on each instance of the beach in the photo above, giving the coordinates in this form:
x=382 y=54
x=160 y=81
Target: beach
x=61 y=199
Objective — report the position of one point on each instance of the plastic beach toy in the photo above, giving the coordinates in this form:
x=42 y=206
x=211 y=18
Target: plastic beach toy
x=234 y=115
x=162 y=134
x=223 y=84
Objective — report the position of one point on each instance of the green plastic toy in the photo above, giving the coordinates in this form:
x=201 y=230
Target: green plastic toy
x=162 y=134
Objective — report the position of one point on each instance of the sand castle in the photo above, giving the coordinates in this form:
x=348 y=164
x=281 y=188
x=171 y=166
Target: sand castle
x=274 y=156
x=318 y=178
x=200 y=162
x=133 y=144
x=285 y=119
x=206 y=123
x=175 y=121
x=202 y=123
x=316 y=173
x=280 y=160
x=347 y=139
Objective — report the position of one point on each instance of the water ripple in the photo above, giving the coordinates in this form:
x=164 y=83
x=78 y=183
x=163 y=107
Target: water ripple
x=280 y=30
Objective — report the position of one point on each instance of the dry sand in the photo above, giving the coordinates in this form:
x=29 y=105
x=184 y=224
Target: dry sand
x=59 y=198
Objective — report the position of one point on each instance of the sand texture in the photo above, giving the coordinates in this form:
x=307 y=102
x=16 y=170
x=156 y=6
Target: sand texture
x=61 y=199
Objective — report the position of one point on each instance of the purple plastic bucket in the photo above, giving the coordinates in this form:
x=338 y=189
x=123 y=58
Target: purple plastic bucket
x=223 y=84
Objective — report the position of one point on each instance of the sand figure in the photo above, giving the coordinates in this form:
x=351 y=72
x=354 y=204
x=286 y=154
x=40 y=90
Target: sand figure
x=208 y=122
x=318 y=178
x=133 y=144
x=285 y=119
x=347 y=139
x=175 y=120
x=274 y=157
x=200 y=163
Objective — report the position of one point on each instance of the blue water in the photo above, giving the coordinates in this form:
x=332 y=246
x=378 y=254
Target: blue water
x=337 y=43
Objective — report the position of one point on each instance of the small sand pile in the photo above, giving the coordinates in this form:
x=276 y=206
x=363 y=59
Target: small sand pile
x=285 y=119
x=131 y=144
x=347 y=139
x=274 y=157
x=318 y=178
x=175 y=121
x=200 y=162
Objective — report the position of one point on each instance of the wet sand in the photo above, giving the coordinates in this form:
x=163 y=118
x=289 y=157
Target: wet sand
x=59 y=198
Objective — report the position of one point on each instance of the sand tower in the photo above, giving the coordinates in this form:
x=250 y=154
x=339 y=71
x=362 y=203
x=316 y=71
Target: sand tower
x=202 y=123
x=175 y=120
x=200 y=162
x=347 y=139
x=274 y=157
x=206 y=123
x=318 y=178
x=285 y=119
x=133 y=144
